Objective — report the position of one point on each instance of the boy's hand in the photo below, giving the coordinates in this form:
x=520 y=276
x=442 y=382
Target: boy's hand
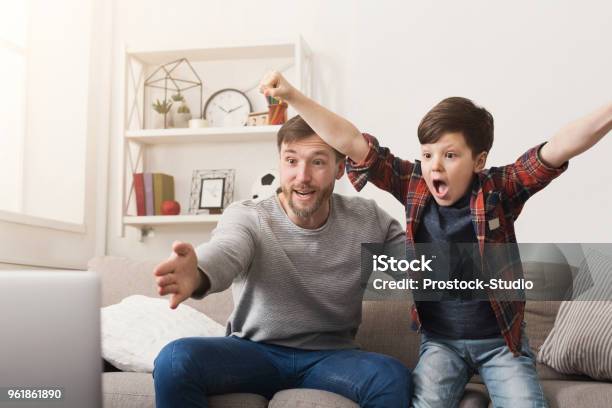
x=274 y=84
x=178 y=275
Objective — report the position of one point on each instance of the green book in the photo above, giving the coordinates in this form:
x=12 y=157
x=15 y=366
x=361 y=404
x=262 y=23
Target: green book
x=163 y=189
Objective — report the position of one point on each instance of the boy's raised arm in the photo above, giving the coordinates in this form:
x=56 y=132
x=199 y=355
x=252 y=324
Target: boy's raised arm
x=577 y=137
x=336 y=131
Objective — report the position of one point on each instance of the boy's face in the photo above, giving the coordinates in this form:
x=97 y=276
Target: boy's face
x=448 y=167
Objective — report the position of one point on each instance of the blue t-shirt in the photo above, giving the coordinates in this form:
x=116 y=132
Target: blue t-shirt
x=457 y=315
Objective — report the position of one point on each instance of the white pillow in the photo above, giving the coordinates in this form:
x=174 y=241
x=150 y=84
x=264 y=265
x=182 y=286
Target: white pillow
x=137 y=328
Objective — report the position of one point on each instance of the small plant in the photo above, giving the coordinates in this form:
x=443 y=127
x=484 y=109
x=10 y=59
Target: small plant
x=162 y=107
x=183 y=109
x=177 y=97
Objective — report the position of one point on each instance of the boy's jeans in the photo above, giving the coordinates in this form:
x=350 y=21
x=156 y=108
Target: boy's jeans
x=446 y=365
x=189 y=369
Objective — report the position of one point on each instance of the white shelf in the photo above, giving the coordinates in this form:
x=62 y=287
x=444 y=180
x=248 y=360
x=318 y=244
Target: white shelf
x=171 y=219
x=212 y=134
x=157 y=57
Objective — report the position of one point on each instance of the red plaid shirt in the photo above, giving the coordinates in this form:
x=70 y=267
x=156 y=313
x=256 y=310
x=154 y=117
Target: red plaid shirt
x=496 y=202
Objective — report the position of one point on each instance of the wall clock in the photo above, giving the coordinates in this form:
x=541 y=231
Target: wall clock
x=227 y=107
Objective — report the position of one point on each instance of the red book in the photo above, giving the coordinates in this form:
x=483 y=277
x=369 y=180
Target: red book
x=140 y=194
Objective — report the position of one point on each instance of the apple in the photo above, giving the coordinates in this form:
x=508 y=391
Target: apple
x=170 y=207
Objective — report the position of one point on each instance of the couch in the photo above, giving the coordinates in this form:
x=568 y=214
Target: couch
x=385 y=329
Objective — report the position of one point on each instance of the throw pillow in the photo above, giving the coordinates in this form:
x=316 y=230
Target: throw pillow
x=581 y=339
x=137 y=328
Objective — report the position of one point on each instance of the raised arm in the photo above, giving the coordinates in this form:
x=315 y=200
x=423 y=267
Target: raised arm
x=577 y=137
x=336 y=131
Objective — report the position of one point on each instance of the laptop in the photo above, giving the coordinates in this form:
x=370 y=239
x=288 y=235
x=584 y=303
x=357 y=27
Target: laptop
x=50 y=341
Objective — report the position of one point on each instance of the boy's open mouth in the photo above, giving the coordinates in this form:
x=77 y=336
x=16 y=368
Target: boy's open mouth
x=440 y=187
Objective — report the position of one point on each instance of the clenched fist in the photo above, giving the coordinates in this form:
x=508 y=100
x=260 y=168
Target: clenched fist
x=179 y=275
x=274 y=84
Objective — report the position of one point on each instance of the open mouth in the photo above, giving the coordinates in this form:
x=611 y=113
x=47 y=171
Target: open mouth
x=440 y=188
x=304 y=194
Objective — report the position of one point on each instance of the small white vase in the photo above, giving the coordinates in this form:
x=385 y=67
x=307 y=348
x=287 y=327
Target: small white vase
x=181 y=120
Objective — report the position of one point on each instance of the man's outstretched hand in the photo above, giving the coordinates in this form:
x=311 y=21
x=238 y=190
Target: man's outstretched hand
x=178 y=276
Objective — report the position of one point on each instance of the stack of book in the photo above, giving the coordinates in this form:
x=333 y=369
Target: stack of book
x=152 y=189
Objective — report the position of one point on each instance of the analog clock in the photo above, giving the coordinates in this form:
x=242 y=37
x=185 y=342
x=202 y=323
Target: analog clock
x=227 y=107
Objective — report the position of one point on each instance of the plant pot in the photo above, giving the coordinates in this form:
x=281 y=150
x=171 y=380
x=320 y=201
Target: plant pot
x=158 y=121
x=181 y=120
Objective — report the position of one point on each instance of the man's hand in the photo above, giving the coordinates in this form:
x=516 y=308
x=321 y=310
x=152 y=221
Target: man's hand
x=336 y=131
x=275 y=85
x=179 y=275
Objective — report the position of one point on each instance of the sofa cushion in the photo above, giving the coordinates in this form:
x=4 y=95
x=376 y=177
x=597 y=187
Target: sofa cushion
x=136 y=390
x=307 y=398
x=385 y=328
x=474 y=396
x=122 y=277
x=571 y=394
x=540 y=318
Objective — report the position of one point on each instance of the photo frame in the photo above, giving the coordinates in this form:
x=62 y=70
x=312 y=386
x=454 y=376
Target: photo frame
x=211 y=193
x=211 y=190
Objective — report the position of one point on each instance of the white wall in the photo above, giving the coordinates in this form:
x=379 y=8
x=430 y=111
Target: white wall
x=384 y=64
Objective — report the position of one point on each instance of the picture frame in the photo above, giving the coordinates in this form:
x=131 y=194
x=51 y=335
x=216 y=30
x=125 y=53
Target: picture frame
x=211 y=193
x=258 y=119
x=212 y=190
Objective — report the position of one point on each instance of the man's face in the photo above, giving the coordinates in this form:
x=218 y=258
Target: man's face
x=448 y=167
x=308 y=171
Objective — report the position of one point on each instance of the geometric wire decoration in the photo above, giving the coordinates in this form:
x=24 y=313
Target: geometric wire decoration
x=167 y=74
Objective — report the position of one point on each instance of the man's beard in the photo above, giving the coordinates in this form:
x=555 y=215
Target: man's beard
x=322 y=196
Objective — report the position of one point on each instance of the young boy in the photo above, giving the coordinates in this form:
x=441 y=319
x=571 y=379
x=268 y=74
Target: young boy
x=450 y=197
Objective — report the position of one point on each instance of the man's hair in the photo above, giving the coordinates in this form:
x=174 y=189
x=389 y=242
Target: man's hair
x=296 y=129
x=458 y=114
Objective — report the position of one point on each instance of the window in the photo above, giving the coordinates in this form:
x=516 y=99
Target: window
x=13 y=29
x=45 y=60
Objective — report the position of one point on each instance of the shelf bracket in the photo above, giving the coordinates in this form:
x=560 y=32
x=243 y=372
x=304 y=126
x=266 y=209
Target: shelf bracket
x=146 y=232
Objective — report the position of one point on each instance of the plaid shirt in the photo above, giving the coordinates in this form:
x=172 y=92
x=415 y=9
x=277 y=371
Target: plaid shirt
x=497 y=200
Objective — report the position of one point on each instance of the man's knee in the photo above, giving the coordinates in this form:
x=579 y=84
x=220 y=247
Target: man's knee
x=174 y=361
x=388 y=374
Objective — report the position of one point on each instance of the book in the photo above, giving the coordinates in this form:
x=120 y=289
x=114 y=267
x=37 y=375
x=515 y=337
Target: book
x=148 y=190
x=163 y=189
x=140 y=194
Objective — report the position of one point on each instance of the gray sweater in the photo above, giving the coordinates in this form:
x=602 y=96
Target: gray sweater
x=292 y=286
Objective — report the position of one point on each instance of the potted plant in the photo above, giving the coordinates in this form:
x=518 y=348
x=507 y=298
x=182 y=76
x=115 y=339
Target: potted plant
x=164 y=120
x=182 y=114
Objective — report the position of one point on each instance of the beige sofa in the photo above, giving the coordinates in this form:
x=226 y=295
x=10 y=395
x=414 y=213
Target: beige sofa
x=385 y=329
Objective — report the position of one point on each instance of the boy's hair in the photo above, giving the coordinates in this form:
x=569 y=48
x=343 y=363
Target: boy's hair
x=296 y=129
x=458 y=114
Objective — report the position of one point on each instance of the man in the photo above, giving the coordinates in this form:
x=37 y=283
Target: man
x=294 y=262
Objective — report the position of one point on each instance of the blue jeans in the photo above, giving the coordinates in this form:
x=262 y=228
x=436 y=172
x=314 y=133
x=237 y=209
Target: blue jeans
x=189 y=369
x=446 y=365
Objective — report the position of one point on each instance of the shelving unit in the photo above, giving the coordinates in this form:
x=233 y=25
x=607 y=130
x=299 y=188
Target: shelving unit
x=203 y=135
x=170 y=219
x=137 y=138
